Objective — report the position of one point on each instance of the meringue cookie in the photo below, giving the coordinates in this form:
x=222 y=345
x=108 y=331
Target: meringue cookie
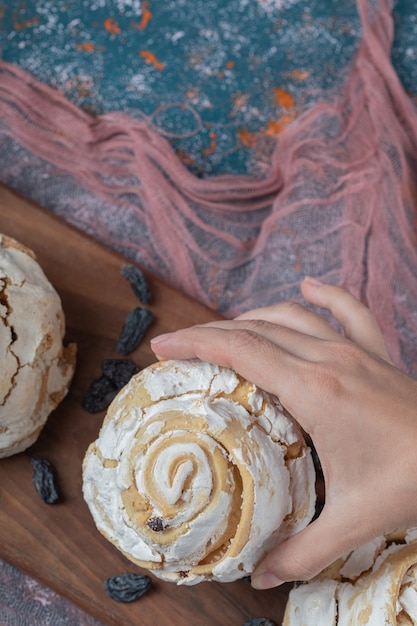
x=197 y=473
x=373 y=585
x=36 y=368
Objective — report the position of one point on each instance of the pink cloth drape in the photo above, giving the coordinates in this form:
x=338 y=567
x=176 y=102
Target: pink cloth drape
x=338 y=201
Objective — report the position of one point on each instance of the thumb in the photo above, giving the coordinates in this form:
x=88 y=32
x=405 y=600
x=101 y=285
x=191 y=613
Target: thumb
x=307 y=553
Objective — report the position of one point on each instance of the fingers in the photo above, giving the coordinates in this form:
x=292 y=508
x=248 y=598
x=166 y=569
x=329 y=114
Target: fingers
x=295 y=317
x=358 y=324
x=273 y=347
x=307 y=553
x=251 y=354
x=357 y=321
x=298 y=337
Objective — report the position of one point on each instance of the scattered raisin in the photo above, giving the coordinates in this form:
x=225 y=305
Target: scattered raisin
x=136 y=324
x=137 y=281
x=260 y=621
x=119 y=371
x=101 y=392
x=44 y=479
x=127 y=587
x=156 y=524
x=99 y=395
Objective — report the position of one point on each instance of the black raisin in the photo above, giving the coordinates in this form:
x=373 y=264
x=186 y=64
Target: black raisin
x=127 y=587
x=99 y=395
x=156 y=524
x=44 y=479
x=116 y=374
x=137 y=281
x=260 y=621
x=136 y=324
x=119 y=371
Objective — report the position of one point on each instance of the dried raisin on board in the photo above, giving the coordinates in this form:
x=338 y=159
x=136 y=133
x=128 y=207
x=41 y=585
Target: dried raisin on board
x=119 y=371
x=99 y=395
x=116 y=374
x=137 y=281
x=260 y=621
x=44 y=479
x=135 y=326
x=127 y=587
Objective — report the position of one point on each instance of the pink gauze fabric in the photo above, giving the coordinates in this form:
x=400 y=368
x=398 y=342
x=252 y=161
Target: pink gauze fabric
x=338 y=201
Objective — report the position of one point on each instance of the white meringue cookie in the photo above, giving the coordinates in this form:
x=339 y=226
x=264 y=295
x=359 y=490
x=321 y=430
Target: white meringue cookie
x=208 y=458
x=375 y=585
x=36 y=368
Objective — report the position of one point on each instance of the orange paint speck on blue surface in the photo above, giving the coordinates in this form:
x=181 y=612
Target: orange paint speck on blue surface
x=146 y=16
x=112 y=26
x=284 y=98
x=18 y=26
x=150 y=58
x=86 y=46
x=297 y=74
x=247 y=138
x=212 y=146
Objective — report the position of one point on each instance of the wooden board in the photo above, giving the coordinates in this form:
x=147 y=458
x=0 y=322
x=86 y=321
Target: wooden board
x=59 y=545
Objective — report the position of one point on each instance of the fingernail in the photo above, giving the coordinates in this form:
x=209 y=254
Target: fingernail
x=313 y=281
x=160 y=339
x=265 y=580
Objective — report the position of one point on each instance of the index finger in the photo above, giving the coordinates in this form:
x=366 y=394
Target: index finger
x=252 y=355
x=293 y=316
x=357 y=321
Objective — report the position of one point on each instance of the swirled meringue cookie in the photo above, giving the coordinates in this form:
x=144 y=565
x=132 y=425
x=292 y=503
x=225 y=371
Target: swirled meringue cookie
x=197 y=473
x=36 y=369
x=375 y=585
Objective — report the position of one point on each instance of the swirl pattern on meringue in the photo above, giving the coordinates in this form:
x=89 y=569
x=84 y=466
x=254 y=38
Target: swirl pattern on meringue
x=196 y=473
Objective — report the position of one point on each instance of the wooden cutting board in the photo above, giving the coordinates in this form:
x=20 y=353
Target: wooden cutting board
x=59 y=544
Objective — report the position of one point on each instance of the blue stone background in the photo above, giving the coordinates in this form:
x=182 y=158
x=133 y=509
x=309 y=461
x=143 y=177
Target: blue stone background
x=210 y=84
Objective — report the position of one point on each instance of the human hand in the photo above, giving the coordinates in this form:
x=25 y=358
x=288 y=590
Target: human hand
x=359 y=410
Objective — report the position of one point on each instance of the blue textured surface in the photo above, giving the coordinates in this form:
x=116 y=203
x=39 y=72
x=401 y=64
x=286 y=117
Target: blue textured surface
x=204 y=69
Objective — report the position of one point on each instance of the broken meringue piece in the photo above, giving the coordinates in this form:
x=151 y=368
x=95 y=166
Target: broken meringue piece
x=36 y=368
x=197 y=473
x=383 y=590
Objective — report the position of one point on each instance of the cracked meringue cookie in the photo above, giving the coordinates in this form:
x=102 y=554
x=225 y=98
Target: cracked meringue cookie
x=374 y=585
x=36 y=368
x=197 y=473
